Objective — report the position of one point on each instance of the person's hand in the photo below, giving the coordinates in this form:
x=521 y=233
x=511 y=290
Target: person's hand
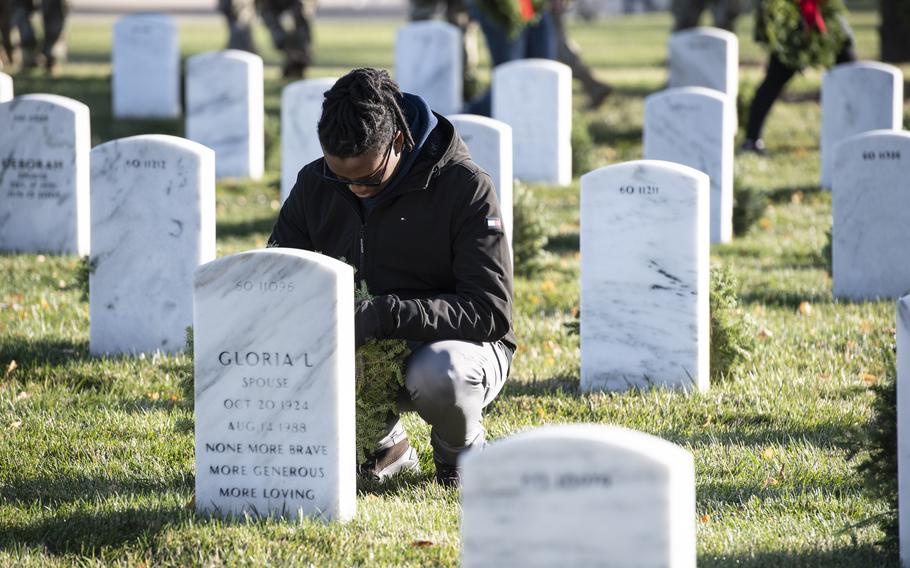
x=366 y=322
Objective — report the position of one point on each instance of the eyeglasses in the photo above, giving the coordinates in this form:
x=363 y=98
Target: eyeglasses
x=368 y=181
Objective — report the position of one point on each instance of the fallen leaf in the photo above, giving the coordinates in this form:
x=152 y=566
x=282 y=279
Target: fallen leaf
x=797 y=198
x=868 y=379
x=805 y=308
x=547 y=286
x=44 y=303
x=154 y=395
x=708 y=421
x=61 y=284
x=705 y=518
x=575 y=311
x=15 y=425
x=765 y=223
x=768 y=454
x=765 y=333
x=21 y=396
x=40 y=258
x=12 y=366
x=422 y=543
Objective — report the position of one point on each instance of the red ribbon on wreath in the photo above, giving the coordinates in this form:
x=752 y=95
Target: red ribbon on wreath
x=812 y=14
x=527 y=10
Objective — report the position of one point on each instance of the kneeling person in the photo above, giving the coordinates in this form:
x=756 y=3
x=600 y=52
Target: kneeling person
x=397 y=196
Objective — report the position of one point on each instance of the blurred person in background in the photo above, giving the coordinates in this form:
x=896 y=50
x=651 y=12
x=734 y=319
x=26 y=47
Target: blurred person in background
x=53 y=46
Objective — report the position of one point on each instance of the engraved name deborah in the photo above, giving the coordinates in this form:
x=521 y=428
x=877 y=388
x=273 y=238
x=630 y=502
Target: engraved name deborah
x=29 y=179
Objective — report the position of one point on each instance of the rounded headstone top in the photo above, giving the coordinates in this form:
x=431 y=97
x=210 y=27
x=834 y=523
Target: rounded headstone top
x=864 y=65
x=635 y=168
x=901 y=136
x=156 y=18
x=77 y=107
x=705 y=31
x=675 y=92
x=225 y=54
x=213 y=269
x=657 y=449
x=427 y=26
x=533 y=64
x=163 y=139
x=479 y=120
x=308 y=84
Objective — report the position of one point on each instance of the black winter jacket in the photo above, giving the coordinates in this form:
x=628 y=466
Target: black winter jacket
x=432 y=251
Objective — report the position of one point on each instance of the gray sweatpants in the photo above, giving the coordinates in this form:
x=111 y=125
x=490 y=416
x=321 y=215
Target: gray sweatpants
x=448 y=383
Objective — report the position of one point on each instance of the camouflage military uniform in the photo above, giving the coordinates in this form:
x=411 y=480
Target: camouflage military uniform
x=53 y=16
x=686 y=13
x=6 y=31
x=240 y=16
x=295 y=42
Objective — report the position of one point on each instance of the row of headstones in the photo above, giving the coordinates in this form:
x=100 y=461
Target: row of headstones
x=274 y=404
x=225 y=100
x=644 y=235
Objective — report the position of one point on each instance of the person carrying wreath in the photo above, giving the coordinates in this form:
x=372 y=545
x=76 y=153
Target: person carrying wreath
x=797 y=34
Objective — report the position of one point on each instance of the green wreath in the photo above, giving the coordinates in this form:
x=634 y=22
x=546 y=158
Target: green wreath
x=507 y=14
x=380 y=376
x=779 y=25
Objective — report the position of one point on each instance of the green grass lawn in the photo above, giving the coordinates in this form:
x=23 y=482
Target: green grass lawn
x=96 y=455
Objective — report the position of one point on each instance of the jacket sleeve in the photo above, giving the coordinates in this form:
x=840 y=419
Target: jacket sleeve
x=481 y=307
x=290 y=229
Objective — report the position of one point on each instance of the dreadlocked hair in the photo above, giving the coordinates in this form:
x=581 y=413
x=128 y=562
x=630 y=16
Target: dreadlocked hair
x=360 y=113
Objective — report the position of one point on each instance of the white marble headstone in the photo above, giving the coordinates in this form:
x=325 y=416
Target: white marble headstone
x=705 y=57
x=428 y=62
x=579 y=495
x=644 y=277
x=490 y=144
x=903 y=427
x=224 y=110
x=153 y=223
x=6 y=88
x=856 y=98
x=44 y=175
x=534 y=97
x=145 y=62
x=870 y=202
x=274 y=360
x=693 y=126
x=301 y=107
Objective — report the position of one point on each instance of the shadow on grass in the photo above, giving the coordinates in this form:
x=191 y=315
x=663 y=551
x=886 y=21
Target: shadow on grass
x=564 y=384
x=785 y=194
x=88 y=532
x=603 y=133
x=78 y=530
x=246 y=228
x=784 y=298
x=858 y=555
x=563 y=243
x=41 y=351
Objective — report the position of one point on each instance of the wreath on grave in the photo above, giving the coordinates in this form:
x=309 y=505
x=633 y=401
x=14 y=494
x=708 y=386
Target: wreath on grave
x=513 y=15
x=379 y=378
x=787 y=31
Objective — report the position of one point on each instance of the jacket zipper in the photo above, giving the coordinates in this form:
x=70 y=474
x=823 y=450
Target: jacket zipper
x=360 y=264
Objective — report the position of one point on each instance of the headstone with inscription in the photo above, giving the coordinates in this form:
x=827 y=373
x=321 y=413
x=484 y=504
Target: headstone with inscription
x=855 y=98
x=224 y=110
x=490 y=144
x=693 y=126
x=903 y=427
x=534 y=97
x=644 y=277
x=870 y=199
x=145 y=62
x=153 y=223
x=274 y=360
x=6 y=88
x=705 y=57
x=44 y=175
x=301 y=107
x=579 y=495
x=428 y=62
